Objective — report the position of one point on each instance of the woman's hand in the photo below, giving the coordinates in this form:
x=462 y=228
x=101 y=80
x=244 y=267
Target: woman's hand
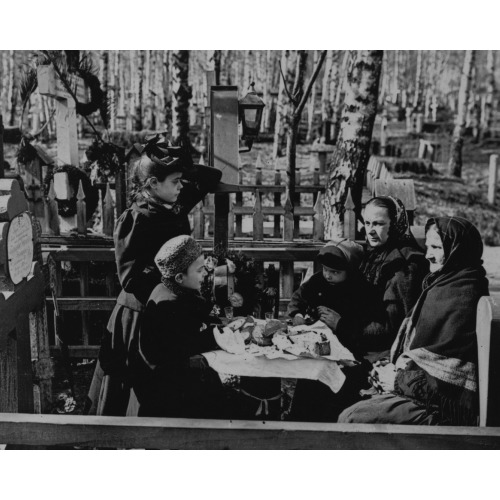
x=329 y=317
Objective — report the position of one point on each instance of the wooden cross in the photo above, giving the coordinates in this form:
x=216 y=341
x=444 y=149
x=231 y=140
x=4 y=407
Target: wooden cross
x=67 y=140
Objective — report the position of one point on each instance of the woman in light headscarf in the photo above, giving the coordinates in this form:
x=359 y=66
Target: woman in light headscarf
x=433 y=375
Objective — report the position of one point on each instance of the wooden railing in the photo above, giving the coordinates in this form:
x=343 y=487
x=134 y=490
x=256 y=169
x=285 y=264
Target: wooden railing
x=195 y=434
x=278 y=241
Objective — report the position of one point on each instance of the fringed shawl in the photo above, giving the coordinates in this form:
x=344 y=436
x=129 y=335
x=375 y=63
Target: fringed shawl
x=440 y=335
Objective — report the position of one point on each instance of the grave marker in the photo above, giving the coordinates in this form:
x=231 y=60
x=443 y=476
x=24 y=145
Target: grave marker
x=21 y=294
x=67 y=140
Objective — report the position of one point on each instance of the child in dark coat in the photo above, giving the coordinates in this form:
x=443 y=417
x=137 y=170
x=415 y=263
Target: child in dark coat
x=337 y=295
x=343 y=300
x=169 y=377
x=166 y=186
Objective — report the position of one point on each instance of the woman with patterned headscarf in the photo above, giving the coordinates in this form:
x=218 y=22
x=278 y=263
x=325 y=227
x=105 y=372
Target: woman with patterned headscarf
x=432 y=377
x=395 y=265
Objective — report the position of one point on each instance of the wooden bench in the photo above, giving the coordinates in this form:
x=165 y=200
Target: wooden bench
x=488 y=343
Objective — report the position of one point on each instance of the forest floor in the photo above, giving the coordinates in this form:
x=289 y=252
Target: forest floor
x=437 y=195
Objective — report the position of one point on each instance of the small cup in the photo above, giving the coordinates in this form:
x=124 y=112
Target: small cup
x=268 y=316
x=229 y=312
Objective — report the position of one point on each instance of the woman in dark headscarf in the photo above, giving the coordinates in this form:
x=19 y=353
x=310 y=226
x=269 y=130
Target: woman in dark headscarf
x=395 y=265
x=433 y=375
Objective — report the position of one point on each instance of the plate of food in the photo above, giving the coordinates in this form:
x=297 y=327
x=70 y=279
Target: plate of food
x=274 y=338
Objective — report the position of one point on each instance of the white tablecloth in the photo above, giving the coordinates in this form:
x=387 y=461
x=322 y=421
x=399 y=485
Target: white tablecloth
x=246 y=365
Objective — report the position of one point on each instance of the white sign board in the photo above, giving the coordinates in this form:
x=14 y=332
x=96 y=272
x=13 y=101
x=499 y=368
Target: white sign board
x=19 y=248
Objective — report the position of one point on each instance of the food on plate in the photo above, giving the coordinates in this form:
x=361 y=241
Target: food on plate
x=258 y=336
x=273 y=326
x=281 y=341
x=311 y=343
x=236 y=324
x=229 y=341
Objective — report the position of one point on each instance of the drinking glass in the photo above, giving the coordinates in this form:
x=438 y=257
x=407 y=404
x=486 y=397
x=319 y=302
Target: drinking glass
x=228 y=311
x=268 y=316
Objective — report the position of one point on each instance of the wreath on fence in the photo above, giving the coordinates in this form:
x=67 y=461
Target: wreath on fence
x=84 y=68
x=68 y=208
x=104 y=160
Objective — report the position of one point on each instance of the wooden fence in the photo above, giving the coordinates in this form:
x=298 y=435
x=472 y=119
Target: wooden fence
x=278 y=241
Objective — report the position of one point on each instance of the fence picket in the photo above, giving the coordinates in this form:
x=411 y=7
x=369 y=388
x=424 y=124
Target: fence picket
x=81 y=211
x=108 y=213
x=318 y=220
x=258 y=219
x=288 y=221
x=277 y=203
x=52 y=214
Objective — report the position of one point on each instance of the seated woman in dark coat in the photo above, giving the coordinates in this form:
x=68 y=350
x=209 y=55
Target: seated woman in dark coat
x=395 y=265
x=433 y=378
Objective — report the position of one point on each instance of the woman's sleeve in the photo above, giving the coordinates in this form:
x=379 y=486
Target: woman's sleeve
x=401 y=294
x=136 y=271
x=199 y=183
x=412 y=382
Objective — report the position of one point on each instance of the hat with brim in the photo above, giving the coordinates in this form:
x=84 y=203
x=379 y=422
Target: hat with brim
x=179 y=160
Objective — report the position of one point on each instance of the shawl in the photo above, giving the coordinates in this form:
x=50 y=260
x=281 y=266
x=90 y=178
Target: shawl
x=440 y=334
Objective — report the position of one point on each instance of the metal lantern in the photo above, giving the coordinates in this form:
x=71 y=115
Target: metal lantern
x=250 y=114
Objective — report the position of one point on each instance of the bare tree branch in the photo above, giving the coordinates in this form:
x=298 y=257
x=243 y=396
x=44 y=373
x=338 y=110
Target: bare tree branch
x=284 y=83
x=310 y=84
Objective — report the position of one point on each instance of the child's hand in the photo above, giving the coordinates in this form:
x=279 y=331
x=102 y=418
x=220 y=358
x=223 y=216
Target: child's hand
x=329 y=317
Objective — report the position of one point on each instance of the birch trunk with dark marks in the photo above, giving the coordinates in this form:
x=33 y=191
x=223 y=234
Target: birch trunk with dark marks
x=490 y=92
x=280 y=127
x=326 y=102
x=293 y=125
x=339 y=77
x=268 y=98
x=181 y=95
x=11 y=89
x=418 y=81
x=350 y=159
x=311 y=104
x=299 y=99
x=455 y=163
x=140 y=91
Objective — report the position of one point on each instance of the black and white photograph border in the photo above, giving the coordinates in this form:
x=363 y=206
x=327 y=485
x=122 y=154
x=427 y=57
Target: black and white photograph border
x=415 y=125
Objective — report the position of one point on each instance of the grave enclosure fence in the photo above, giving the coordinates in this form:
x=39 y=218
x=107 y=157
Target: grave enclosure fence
x=261 y=226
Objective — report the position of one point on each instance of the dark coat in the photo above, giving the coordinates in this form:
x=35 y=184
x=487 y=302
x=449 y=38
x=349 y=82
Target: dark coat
x=166 y=378
x=398 y=288
x=140 y=232
x=354 y=300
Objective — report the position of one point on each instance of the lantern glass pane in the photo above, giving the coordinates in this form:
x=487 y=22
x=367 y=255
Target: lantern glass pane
x=251 y=118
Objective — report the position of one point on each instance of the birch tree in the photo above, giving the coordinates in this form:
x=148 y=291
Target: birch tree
x=455 y=163
x=351 y=156
x=11 y=89
x=326 y=103
x=181 y=95
x=298 y=98
x=311 y=103
x=490 y=93
x=288 y=59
